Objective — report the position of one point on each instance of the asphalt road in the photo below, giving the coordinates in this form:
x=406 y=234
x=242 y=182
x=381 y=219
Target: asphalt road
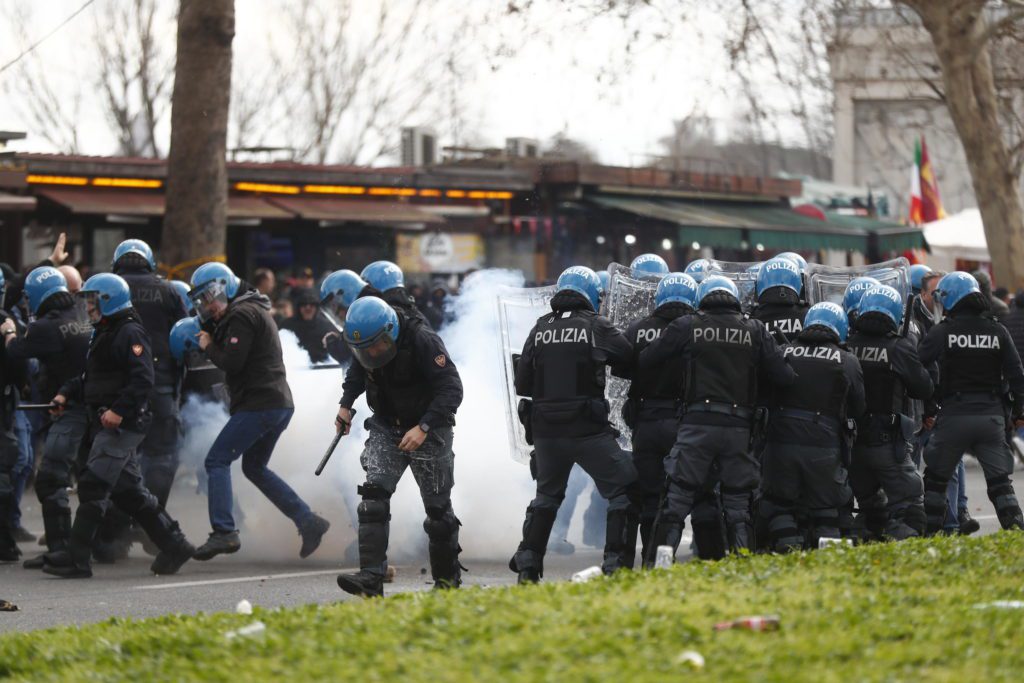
x=127 y=589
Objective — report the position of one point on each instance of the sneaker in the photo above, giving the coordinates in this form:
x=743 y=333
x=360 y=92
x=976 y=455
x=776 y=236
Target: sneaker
x=968 y=525
x=362 y=583
x=219 y=543
x=23 y=535
x=312 y=532
x=528 y=576
x=170 y=562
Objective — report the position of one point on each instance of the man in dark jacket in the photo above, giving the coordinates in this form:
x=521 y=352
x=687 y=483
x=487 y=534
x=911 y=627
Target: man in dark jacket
x=239 y=336
x=310 y=326
x=12 y=377
x=115 y=389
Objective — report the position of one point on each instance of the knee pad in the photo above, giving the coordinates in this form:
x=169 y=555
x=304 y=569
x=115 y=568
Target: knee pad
x=999 y=486
x=913 y=516
x=50 y=487
x=90 y=490
x=537 y=528
x=135 y=501
x=441 y=522
x=372 y=511
x=933 y=483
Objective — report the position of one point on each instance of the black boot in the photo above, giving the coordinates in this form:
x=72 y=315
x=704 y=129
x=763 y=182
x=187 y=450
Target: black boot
x=739 y=537
x=667 y=530
x=934 y=504
x=362 y=583
x=219 y=542
x=174 y=548
x=616 y=553
x=968 y=525
x=74 y=563
x=57 y=525
x=1000 y=492
x=529 y=558
x=9 y=551
x=528 y=576
x=442 y=527
x=312 y=532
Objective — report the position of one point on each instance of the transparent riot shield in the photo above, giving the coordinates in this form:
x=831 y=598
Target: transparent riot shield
x=828 y=283
x=628 y=299
x=744 y=274
x=518 y=310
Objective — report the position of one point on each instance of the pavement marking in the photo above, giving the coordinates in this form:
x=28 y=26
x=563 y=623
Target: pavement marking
x=985 y=516
x=240 y=579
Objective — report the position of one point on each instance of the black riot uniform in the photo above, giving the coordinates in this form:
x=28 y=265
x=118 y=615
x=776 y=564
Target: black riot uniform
x=59 y=339
x=652 y=413
x=562 y=369
x=782 y=313
x=805 y=452
x=884 y=478
x=118 y=377
x=419 y=386
x=724 y=352
x=12 y=378
x=158 y=307
x=400 y=300
x=977 y=361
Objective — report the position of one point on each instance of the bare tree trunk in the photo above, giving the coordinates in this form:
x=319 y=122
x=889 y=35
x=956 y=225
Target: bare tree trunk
x=960 y=34
x=197 y=186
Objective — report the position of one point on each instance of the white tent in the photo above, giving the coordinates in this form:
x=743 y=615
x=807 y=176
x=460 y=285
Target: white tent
x=960 y=236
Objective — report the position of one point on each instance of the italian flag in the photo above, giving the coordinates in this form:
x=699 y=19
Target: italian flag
x=925 y=203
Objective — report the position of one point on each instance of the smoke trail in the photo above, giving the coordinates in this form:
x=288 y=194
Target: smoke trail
x=491 y=490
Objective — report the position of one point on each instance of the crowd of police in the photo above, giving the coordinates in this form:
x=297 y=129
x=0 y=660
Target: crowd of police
x=773 y=426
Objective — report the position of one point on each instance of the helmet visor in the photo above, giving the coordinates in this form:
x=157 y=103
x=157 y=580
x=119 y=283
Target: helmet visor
x=209 y=300
x=91 y=301
x=334 y=310
x=375 y=353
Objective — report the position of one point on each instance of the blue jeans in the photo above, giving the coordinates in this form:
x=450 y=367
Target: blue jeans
x=956 y=497
x=23 y=467
x=251 y=436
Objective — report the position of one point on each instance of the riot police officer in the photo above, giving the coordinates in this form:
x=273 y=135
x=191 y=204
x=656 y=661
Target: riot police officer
x=648 y=265
x=338 y=292
x=115 y=389
x=724 y=352
x=803 y=458
x=59 y=338
x=239 y=336
x=12 y=378
x=977 y=360
x=853 y=294
x=885 y=481
x=651 y=410
x=780 y=304
x=389 y=282
x=562 y=374
x=414 y=390
x=158 y=306
x=698 y=269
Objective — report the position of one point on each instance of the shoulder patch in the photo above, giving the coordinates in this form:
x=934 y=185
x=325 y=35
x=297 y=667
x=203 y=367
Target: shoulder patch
x=137 y=349
x=440 y=360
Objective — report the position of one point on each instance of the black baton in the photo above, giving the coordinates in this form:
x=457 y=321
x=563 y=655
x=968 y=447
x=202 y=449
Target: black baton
x=334 y=444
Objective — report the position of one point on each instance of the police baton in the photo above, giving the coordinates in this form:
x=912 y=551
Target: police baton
x=37 y=406
x=334 y=444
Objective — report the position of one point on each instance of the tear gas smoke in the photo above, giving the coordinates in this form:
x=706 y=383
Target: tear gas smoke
x=491 y=490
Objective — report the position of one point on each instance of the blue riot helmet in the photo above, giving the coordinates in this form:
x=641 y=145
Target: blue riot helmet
x=383 y=275
x=698 y=269
x=182 y=289
x=779 y=272
x=338 y=292
x=883 y=300
x=648 y=264
x=105 y=294
x=184 y=338
x=796 y=258
x=3 y=288
x=676 y=288
x=140 y=249
x=606 y=281
x=955 y=287
x=755 y=268
x=717 y=283
x=917 y=273
x=854 y=291
x=582 y=280
x=828 y=315
x=214 y=285
x=42 y=283
x=371 y=331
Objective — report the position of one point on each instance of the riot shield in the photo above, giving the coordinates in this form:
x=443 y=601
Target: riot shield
x=828 y=283
x=743 y=274
x=628 y=299
x=518 y=310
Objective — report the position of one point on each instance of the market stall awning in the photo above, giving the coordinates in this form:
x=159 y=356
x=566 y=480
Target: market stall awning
x=15 y=202
x=770 y=225
x=150 y=204
x=355 y=210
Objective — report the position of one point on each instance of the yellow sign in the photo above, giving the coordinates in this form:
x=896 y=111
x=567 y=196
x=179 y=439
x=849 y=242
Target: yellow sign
x=439 y=252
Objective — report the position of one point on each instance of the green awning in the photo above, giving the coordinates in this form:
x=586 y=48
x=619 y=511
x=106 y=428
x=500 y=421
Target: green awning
x=771 y=225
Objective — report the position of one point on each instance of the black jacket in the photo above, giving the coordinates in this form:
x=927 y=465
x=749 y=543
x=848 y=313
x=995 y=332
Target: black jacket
x=59 y=338
x=1014 y=323
x=311 y=334
x=662 y=384
x=13 y=375
x=118 y=370
x=419 y=386
x=158 y=307
x=246 y=346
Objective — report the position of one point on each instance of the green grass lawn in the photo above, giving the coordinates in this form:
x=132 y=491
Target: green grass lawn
x=883 y=612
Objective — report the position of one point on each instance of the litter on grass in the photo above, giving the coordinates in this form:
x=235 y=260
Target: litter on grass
x=254 y=630
x=691 y=658
x=243 y=607
x=1001 y=604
